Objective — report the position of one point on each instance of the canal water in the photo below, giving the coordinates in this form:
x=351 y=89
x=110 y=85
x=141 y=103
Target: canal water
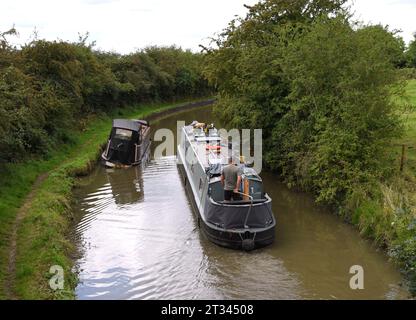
x=138 y=238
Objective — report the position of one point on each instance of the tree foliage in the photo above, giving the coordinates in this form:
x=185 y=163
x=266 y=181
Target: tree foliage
x=47 y=86
x=411 y=53
x=319 y=86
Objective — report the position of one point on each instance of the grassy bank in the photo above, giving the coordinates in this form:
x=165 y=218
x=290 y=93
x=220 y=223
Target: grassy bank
x=390 y=217
x=42 y=233
x=409 y=139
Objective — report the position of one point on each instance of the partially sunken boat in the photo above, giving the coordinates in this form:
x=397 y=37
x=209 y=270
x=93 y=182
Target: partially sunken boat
x=247 y=224
x=128 y=143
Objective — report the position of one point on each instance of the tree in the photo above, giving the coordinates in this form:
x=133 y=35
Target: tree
x=46 y=87
x=411 y=53
x=341 y=119
x=246 y=66
x=317 y=84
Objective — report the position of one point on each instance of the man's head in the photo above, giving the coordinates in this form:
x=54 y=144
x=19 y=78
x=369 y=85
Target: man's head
x=230 y=160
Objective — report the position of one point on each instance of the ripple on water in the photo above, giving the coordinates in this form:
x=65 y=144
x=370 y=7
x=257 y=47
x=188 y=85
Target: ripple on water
x=132 y=248
x=151 y=248
x=138 y=239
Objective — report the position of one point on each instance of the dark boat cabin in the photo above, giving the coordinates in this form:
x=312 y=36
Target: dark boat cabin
x=128 y=142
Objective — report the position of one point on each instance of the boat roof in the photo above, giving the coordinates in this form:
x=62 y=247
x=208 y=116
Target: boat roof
x=211 y=149
x=212 y=152
x=132 y=125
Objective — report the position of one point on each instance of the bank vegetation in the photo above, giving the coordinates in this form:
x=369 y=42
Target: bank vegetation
x=329 y=93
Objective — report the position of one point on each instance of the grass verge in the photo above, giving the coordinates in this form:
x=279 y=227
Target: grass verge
x=390 y=217
x=42 y=239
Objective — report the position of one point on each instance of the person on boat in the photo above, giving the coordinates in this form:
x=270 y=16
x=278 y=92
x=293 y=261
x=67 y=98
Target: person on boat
x=231 y=179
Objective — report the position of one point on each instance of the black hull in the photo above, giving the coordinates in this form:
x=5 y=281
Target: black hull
x=247 y=240
x=243 y=240
x=130 y=146
x=116 y=164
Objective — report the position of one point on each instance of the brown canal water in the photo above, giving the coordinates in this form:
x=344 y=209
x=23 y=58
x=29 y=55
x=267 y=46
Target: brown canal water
x=138 y=239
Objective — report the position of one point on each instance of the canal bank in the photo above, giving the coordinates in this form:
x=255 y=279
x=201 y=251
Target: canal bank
x=36 y=197
x=124 y=254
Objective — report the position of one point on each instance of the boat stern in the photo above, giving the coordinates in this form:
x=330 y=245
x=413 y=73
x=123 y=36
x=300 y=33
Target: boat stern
x=241 y=224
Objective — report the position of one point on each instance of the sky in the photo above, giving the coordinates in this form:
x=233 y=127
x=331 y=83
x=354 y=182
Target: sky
x=127 y=25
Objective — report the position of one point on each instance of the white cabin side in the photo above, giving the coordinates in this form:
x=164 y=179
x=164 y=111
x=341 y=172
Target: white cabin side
x=194 y=169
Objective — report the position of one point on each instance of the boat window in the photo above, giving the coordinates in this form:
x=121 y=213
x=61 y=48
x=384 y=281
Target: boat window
x=200 y=184
x=256 y=189
x=123 y=134
x=217 y=191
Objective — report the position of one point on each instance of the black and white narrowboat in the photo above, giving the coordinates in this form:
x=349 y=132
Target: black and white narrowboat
x=128 y=143
x=246 y=224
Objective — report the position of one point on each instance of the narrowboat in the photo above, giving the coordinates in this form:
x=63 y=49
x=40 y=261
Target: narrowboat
x=128 y=143
x=245 y=224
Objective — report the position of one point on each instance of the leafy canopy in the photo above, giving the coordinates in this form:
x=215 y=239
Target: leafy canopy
x=318 y=84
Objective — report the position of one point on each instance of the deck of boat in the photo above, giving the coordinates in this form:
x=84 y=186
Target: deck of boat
x=205 y=146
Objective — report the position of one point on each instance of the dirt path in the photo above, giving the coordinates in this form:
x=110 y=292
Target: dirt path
x=11 y=270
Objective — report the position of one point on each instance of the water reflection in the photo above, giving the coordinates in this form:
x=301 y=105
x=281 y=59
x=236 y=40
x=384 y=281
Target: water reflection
x=126 y=185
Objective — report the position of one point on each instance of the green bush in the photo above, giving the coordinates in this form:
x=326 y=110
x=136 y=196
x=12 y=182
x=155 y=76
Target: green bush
x=411 y=53
x=47 y=87
x=318 y=86
x=408 y=73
